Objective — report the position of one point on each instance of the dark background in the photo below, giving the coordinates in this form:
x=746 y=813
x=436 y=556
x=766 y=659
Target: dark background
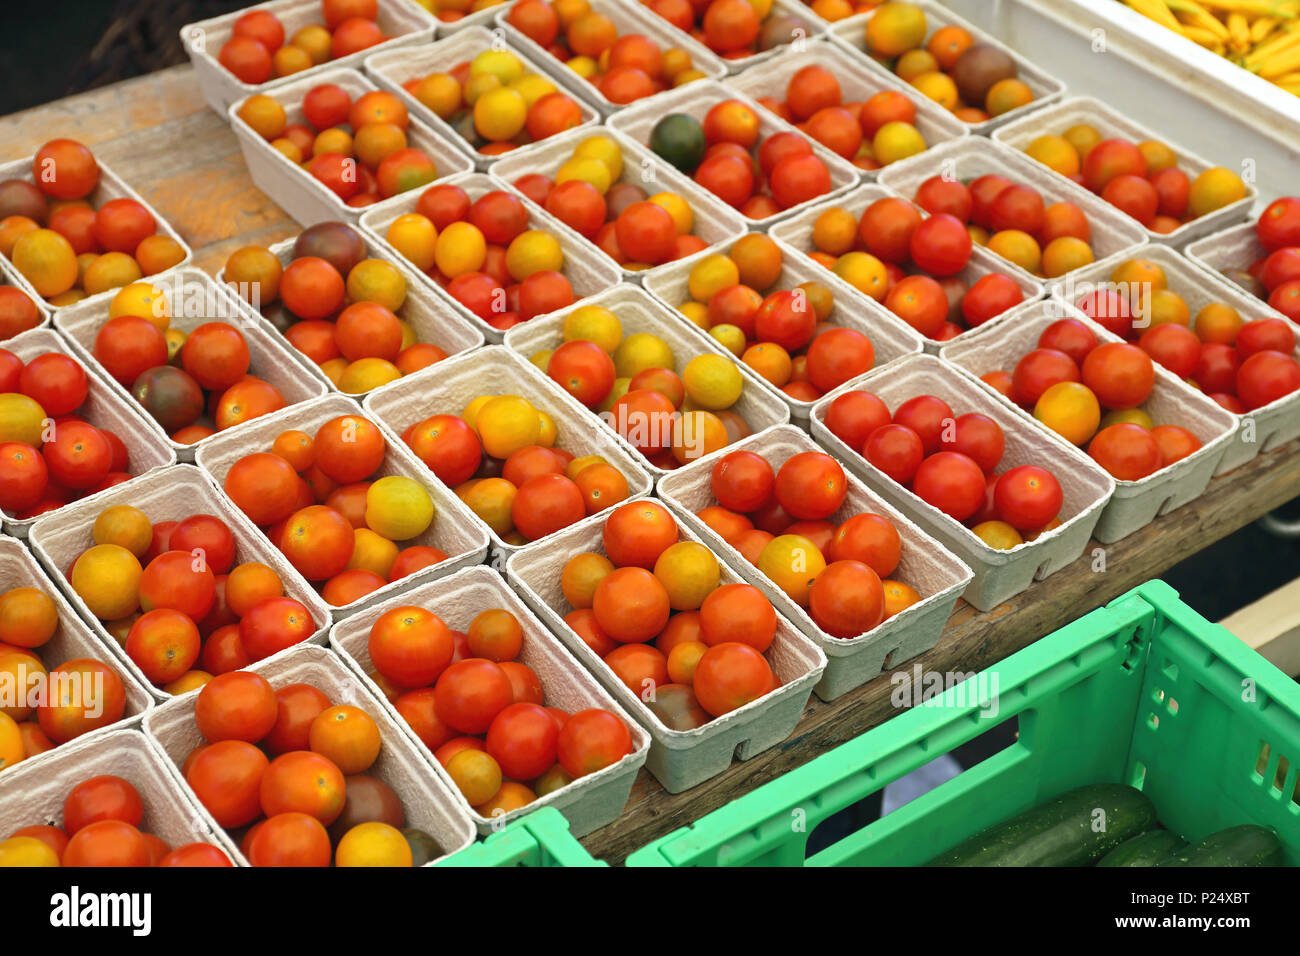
x=54 y=48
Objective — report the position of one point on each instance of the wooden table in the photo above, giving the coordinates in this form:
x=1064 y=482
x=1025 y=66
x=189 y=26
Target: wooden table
x=158 y=134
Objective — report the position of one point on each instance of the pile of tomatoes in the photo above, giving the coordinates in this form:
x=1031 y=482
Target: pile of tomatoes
x=449 y=11
x=780 y=522
x=653 y=609
x=727 y=155
x=1013 y=221
x=733 y=29
x=485 y=254
x=623 y=68
x=18 y=311
x=1241 y=365
x=1140 y=179
x=49 y=455
x=168 y=371
x=483 y=713
x=634 y=228
x=874 y=252
x=103 y=818
x=832 y=10
x=65 y=246
x=1069 y=378
x=501 y=458
x=30 y=725
x=257 y=51
x=873 y=133
x=357 y=149
x=674 y=419
x=950 y=462
x=1275 y=276
x=495 y=103
x=319 y=502
x=786 y=335
x=299 y=772
x=974 y=81
x=171 y=594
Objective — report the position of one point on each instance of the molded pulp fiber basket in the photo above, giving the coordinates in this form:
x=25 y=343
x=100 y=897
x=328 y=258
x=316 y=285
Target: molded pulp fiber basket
x=10 y=276
x=1235 y=248
x=433 y=320
x=72 y=640
x=111 y=186
x=587 y=803
x=813 y=26
x=797 y=232
x=1113 y=124
x=998 y=574
x=1115 y=235
x=926 y=565
x=857 y=80
x=1000 y=344
x=1261 y=430
x=104 y=407
x=167 y=494
x=587 y=268
x=891 y=337
x=33 y=792
x=298 y=192
x=426 y=800
x=696 y=99
x=638 y=312
x=195 y=299
x=851 y=32
x=450 y=385
x=1144 y=691
x=391 y=70
x=678 y=758
x=540 y=838
x=715 y=221
x=402 y=21
x=455 y=531
x=629 y=18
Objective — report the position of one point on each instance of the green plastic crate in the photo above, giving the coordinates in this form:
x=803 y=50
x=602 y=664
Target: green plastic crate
x=541 y=838
x=1143 y=691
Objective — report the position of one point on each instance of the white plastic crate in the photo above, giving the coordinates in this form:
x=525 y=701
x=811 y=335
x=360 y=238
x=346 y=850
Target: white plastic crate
x=796 y=232
x=104 y=407
x=427 y=803
x=857 y=81
x=589 y=802
x=33 y=795
x=629 y=18
x=72 y=640
x=167 y=494
x=391 y=70
x=716 y=223
x=455 y=531
x=851 y=33
x=449 y=386
x=696 y=99
x=936 y=574
x=110 y=187
x=1000 y=344
x=890 y=336
x=998 y=574
x=680 y=759
x=1115 y=235
x=637 y=311
x=426 y=313
x=1111 y=124
x=1265 y=428
x=404 y=22
x=195 y=299
x=298 y=192
x=588 y=269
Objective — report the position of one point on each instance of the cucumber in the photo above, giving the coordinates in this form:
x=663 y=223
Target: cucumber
x=1148 y=849
x=1059 y=832
x=1245 y=845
